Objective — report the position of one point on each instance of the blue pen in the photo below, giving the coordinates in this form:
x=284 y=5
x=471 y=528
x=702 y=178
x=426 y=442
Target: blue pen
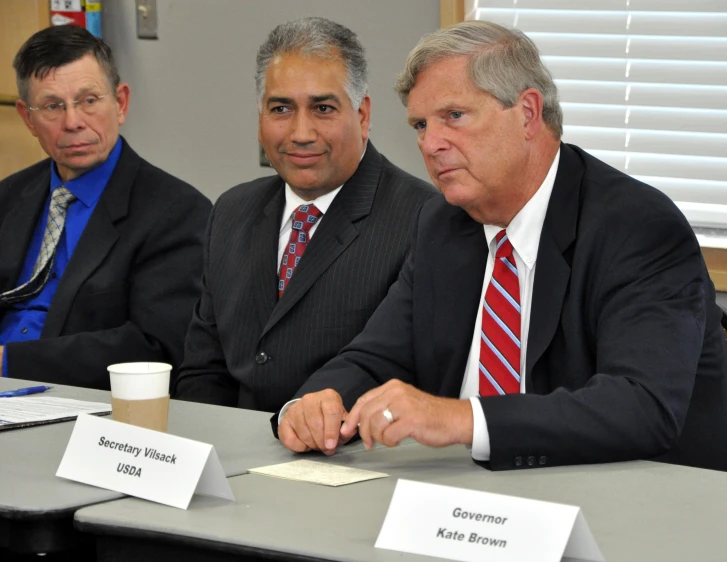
x=24 y=391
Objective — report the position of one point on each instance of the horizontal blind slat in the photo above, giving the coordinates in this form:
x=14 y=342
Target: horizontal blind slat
x=636 y=5
x=640 y=140
x=636 y=46
x=664 y=95
x=640 y=117
x=680 y=189
x=666 y=165
x=610 y=22
x=638 y=70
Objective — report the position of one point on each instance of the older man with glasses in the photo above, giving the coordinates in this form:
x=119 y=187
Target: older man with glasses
x=100 y=252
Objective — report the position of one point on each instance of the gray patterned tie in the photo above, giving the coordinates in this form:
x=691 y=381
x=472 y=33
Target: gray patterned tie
x=59 y=202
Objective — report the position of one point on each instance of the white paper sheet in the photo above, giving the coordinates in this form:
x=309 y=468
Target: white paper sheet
x=34 y=409
x=318 y=473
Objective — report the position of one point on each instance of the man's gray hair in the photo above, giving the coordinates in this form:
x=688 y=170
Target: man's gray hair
x=316 y=37
x=503 y=62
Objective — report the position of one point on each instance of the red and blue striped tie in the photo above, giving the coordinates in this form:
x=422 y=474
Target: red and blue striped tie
x=304 y=218
x=500 y=334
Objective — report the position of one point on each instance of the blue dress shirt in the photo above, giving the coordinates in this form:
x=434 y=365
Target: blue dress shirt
x=24 y=320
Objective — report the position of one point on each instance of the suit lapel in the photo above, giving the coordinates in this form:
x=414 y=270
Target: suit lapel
x=96 y=242
x=335 y=233
x=552 y=274
x=263 y=245
x=18 y=228
x=456 y=297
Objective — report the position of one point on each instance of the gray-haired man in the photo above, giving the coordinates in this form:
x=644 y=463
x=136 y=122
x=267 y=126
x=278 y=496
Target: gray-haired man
x=100 y=252
x=553 y=311
x=296 y=263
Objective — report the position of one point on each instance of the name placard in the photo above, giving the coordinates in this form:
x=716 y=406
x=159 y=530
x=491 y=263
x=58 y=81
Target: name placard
x=143 y=463
x=467 y=525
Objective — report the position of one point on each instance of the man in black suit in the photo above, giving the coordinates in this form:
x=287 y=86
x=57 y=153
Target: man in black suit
x=552 y=311
x=296 y=263
x=100 y=252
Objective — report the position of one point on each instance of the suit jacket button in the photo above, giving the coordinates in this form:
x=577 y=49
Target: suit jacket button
x=531 y=461
x=543 y=460
x=518 y=461
x=261 y=358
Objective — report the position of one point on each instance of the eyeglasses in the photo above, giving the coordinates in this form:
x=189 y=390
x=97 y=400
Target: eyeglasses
x=52 y=110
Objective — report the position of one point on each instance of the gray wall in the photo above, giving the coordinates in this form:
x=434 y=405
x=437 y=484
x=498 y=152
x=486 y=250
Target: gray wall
x=193 y=107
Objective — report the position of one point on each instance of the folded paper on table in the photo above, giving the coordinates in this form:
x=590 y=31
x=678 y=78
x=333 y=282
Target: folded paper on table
x=318 y=473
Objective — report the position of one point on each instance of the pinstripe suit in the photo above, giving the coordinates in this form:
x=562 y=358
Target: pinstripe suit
x=244 y=347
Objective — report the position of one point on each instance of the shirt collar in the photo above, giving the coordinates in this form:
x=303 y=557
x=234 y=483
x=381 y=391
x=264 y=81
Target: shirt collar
x=89 y=186
x=525 y=228
x=293 y=201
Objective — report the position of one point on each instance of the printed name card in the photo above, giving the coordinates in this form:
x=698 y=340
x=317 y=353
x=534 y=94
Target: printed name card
x=467 y=525
x=143 y=463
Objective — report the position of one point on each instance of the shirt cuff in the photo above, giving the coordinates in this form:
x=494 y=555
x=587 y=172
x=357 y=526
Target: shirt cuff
x=480 y=435
x=282 y=410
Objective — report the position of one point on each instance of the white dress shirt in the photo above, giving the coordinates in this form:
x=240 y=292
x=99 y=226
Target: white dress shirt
x=292 y=202
x=524 y=235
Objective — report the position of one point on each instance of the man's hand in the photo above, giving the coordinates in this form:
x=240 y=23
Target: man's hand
x=2 y=349
x=430 y=420
x=314 y=423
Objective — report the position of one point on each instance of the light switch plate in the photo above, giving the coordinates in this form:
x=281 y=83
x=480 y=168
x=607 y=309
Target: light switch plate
x=146 y=19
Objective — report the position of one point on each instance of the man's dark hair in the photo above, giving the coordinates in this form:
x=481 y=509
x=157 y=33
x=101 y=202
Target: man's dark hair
x=57 y=46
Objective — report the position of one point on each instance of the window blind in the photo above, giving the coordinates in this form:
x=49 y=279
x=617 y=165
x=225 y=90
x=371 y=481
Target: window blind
x=643 y=86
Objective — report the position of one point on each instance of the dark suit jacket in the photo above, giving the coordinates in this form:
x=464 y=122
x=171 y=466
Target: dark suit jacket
x=129 y=288
x=247 y=349
x=625 y=353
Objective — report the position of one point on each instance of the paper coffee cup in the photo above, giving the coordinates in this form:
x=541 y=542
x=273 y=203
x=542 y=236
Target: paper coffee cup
x=140 y=394
x=139 y=381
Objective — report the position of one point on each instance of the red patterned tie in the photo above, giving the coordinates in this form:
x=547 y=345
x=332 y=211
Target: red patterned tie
x=500 y=335
x=303 y=220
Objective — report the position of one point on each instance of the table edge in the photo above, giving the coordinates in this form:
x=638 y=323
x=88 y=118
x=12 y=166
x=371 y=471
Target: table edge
x=39 y=514
x=100 y=530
